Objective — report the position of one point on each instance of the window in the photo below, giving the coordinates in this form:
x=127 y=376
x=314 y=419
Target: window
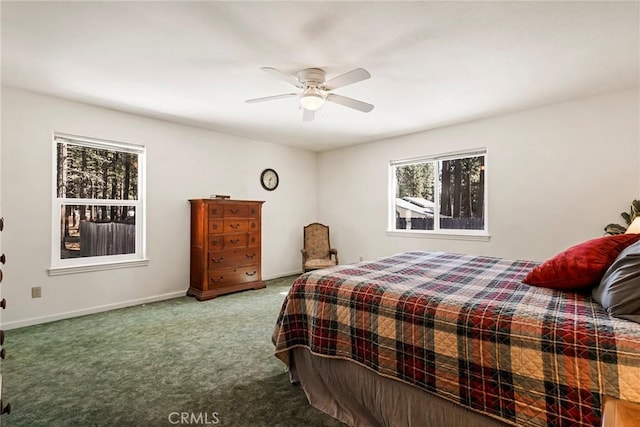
x=442 y=194
x=98 y=204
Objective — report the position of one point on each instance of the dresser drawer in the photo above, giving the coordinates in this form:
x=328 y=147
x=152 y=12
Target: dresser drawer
x=253 y=225
x=254 y=211
x=215 y=242
x=219 y=242
x=254 y=239
x=233 y=275
x=216 y=226
x=236 y=210
x=234 y=241
x=235 y=225
x=235 y=257
x=215 y=211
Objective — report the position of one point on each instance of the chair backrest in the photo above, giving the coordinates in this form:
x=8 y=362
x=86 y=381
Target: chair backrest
x=316 y=241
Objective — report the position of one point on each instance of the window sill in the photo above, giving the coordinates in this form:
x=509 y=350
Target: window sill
x=476 y=237
x=57 y=271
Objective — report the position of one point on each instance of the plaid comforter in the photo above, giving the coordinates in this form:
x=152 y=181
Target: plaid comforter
x=467 y=329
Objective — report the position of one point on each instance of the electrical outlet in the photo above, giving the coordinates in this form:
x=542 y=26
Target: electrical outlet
x=36 y=292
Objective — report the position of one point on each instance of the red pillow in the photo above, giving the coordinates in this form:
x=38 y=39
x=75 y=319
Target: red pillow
x=581 y=265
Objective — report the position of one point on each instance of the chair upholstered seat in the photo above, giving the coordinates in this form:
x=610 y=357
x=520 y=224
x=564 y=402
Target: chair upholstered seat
x=319 y=263
x=317 y=252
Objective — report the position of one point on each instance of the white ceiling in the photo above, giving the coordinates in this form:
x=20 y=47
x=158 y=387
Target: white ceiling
x=432 y=63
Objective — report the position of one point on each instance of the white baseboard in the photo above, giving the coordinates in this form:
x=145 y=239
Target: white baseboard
x=279 y=275
x=91 y=310
x=98 y=309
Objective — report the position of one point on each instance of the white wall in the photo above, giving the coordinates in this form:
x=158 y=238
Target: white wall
x=556 y=176
x=182 y=163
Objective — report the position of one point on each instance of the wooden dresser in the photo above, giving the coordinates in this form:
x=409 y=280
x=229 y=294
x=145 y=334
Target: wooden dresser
x=225 y=247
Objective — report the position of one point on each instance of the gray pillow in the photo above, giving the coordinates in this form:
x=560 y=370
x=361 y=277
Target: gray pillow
x=619 y=289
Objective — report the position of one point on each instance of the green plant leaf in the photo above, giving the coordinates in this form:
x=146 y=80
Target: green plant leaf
x=615 y=229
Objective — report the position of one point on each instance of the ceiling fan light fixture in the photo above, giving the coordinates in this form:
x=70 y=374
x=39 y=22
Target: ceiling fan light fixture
x=311 y=99
x=315 y=89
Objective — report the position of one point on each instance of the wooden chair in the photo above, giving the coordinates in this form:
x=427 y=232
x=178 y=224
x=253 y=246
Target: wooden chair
x=317 y=252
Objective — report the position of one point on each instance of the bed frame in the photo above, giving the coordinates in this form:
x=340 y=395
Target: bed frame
x=452 y=340
x=359 y=397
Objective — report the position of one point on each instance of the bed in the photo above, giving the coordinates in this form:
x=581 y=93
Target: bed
x=435 y=338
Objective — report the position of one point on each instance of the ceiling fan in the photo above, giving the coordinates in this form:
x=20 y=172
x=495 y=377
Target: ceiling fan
x=316 y=89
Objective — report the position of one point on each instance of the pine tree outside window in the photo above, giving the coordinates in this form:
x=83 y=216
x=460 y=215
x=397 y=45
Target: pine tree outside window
x=98 y=204
x=445 y=194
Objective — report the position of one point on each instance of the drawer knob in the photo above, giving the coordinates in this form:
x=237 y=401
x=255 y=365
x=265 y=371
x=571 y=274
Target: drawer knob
x=250 y=256
x=217 y=279
x=251 y=274
x=234 y=226
x=214 y=226
x=234 y=211
x=3 y=258
x=234 y=241
x=216 y=260
x=5 y=409
x=3 y=303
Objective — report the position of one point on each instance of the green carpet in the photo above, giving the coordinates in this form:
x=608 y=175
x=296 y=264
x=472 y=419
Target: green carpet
x=211 y=362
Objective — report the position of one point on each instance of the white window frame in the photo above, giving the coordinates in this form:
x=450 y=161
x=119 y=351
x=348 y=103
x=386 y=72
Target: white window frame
x=437 y=232
x=84 y=264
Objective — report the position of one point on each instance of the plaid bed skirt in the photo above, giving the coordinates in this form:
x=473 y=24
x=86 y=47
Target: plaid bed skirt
x=467 y=329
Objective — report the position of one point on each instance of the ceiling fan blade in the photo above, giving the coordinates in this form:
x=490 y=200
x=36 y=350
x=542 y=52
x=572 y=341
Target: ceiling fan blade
x=270 y=98
x=352 y=76
x=282 y=76
x=350 y=102
x=308 y=115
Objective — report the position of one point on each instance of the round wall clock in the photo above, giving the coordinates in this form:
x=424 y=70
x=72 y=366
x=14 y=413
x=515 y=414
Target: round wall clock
x=269 y=179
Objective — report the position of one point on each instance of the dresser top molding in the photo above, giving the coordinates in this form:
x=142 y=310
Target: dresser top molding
x=225 y=200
